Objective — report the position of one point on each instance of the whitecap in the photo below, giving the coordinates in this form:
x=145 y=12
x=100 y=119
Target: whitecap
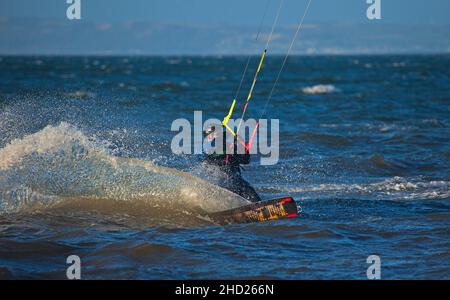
x=320 y=89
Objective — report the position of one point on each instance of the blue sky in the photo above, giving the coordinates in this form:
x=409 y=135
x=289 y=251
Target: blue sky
x=239 y=12
x=220 y=27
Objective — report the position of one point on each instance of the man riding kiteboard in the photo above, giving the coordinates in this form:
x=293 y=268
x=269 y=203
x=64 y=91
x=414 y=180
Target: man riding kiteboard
x=228 y=162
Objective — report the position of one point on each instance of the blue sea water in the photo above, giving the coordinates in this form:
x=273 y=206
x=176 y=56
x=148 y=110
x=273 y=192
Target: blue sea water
x=86 y=168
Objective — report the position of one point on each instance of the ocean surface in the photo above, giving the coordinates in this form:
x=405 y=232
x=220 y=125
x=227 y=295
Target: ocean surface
x=86 y=168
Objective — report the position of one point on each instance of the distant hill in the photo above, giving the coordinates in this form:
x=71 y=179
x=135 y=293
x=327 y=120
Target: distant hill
x=40 y=36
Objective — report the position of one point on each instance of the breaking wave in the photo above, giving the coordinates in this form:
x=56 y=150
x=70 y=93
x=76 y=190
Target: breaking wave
x=395 y=188
x=60 y=167
x=320 y=89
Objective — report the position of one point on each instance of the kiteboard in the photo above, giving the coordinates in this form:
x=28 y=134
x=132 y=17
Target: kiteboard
x=280 y=208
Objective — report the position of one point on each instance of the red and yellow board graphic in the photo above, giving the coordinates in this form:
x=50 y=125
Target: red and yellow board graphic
x=258 y=212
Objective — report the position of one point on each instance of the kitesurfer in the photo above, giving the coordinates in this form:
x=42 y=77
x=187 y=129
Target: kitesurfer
x=228 y=163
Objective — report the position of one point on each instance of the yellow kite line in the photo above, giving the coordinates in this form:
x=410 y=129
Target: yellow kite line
x=230 y=112
x=255 y=78
x=227 y=118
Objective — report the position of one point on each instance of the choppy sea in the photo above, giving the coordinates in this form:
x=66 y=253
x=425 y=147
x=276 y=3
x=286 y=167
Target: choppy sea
x=86 y=168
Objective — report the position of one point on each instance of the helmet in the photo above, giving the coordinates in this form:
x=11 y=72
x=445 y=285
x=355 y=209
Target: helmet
x=211 y=129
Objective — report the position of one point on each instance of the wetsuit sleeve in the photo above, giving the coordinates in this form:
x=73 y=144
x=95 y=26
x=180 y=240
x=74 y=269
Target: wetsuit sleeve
x=216 y=159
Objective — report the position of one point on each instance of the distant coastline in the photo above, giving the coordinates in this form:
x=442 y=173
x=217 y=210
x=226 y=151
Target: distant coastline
x=34 y=36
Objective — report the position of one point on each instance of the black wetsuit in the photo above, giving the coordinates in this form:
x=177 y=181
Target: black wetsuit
x=230 y=164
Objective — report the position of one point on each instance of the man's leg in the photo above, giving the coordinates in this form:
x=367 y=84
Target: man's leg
x=244 y=189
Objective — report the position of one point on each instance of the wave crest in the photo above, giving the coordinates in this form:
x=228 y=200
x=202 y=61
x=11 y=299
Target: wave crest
x=59 y=163
x=395 y=188
x=320 y=89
